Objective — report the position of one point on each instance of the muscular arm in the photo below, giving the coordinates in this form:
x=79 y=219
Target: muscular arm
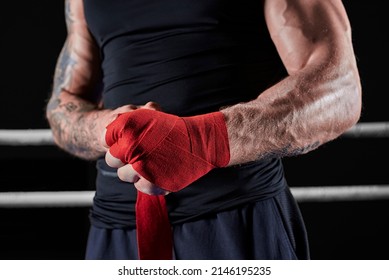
x=320 y=98
x=72 y=110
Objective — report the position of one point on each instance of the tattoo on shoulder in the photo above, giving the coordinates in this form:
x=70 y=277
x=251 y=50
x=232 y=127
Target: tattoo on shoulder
x=68 y=14
x=63 y=71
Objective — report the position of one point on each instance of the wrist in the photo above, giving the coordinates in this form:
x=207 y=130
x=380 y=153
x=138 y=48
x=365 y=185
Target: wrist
x=210 y=132
x=95 y=127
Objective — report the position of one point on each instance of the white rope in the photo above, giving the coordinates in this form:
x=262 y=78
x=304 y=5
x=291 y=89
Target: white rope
x=85 y=198
x=24 y=137
x=368 y=129
x=46 y=199
x=39 y=137
x=36 y=137
x=340 y=193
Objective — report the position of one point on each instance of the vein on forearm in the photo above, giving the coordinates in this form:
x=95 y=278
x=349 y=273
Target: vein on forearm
x=295 y=116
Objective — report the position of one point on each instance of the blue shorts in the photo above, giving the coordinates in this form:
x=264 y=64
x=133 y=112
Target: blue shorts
x=267 y=229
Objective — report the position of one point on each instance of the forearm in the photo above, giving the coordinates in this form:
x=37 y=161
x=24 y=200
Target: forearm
x=75 y=125
x=296 y=115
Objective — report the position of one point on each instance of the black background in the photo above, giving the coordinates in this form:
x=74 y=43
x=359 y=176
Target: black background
x=32 y=34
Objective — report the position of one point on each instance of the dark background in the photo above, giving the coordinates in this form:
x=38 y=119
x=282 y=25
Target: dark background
x=32 y=33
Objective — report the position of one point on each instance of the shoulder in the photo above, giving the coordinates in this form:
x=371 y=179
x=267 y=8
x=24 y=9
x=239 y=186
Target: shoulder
x=307 y=30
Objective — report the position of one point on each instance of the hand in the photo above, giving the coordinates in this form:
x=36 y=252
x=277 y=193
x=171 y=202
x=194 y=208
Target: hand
x=167 y=150
x=105 y=117
x=125 y=171
x=128 y=174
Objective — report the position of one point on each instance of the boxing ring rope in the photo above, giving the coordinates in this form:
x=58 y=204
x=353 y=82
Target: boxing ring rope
x=85 y=198
x=26 y=137
x=41 y=137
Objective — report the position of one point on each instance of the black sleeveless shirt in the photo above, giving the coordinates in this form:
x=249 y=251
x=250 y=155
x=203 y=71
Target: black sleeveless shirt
x=191 y=57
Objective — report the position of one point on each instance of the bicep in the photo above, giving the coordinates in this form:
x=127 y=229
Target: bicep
x=78 y=66
x=308 y=32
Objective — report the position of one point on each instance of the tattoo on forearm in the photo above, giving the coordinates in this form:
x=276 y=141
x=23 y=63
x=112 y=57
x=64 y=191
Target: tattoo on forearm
x=69 y=107
x=81 y=140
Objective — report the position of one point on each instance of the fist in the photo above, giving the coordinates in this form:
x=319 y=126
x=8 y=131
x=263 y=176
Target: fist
x=125 y=170
x=168 y=150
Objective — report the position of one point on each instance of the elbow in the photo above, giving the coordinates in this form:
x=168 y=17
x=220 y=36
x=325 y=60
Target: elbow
x=351 y=108
x=356 y=110
x=54 y=124
x=48 y=117
x=51 y=122
x=354 y=99
x=51 y=105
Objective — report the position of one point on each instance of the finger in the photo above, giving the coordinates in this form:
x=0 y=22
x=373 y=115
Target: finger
x=113 y=161
x=128 y=174
x=111 y=129
x=103 y=138
x=107 y=140
x=149 y=188
x=152 y=106
x=102 y=143
x=112 y=132
x=126 y=108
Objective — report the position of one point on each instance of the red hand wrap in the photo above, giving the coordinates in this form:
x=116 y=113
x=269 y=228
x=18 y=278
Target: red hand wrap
x=154 y=234
x=171 y=152
x=167 y=150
